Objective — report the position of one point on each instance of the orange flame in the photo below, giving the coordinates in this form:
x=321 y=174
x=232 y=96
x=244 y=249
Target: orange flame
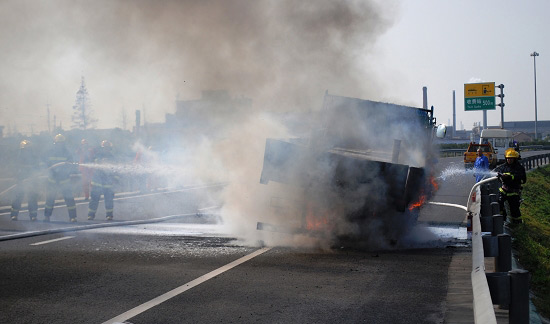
x=419 y=203
x=434 y=183
x=423 y=197
x=316 y=219
x=316 y=223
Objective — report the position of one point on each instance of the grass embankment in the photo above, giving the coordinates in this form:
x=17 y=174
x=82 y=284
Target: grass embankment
x=532 y=238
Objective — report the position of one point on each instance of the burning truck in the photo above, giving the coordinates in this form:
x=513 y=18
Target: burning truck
x=357 y=176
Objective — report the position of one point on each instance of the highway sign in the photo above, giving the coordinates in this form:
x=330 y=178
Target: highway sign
x=479 y=103
x=479 y=89
x=479 y=96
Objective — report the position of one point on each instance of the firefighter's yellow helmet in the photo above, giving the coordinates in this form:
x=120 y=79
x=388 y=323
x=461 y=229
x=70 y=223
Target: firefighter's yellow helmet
x=59 y=138
x=25 y=144
x=106 y=143
x=511 y=153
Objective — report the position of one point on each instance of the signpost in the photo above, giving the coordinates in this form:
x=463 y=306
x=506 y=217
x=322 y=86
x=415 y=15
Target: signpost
x=479 y=96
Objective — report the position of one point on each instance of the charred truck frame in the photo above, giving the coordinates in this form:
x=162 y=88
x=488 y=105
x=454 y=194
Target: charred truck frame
x=363 y=161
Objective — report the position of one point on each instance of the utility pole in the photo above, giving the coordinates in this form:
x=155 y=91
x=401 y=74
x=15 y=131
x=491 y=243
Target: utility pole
x=534 y=55
x=138 y=123
x=454 y=115
x=124 y=119
x=48 y=108
x=501 y=104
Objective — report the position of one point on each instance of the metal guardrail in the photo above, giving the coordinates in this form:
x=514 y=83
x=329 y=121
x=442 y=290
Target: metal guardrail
x=483 y=305
x=533 y=162
x=506 y=287
x=459 y=152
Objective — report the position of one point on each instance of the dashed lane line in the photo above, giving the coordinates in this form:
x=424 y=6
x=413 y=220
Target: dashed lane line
x=174 y=292
x=54 y=240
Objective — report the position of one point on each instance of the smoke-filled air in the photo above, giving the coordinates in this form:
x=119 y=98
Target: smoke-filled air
x=264 y=67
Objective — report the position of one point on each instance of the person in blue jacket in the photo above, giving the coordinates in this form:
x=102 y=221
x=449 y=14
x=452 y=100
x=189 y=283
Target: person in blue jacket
x=481 y=166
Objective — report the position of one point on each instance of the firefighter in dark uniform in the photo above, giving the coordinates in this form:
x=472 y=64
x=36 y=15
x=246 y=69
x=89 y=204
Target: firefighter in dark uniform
x=103 y=181
x=27 y=173
x=60 y=165
x=512 y=175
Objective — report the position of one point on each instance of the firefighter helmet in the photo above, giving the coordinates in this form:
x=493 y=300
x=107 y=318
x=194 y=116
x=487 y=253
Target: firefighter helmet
x=59 y=138
x=511 y=153
x=106 y=144
x=25 y=144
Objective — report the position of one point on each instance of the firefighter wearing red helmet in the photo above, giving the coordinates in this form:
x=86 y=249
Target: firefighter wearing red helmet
x=103 y=181
x=60 y=166
x=511 y=175
x=26 y=175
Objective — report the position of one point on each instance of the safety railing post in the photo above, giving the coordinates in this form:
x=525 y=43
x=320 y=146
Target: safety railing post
x=486 y=223
x=485 y=209
x=519 y=296
x=498 y=224
x=490 y=245
x=504 y=260
x=495 y=208
x=499 y=287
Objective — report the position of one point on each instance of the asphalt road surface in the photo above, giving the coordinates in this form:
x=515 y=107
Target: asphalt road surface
x=189 y=270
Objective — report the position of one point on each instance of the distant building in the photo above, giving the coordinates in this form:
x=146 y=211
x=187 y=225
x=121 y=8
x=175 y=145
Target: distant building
x=524 y=131
x=528 y=127
x=213 y=110
x=522 y=137
x=460 y=136
x=210 y=116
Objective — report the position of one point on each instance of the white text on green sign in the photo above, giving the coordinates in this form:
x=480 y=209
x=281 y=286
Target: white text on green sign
x=479 y=103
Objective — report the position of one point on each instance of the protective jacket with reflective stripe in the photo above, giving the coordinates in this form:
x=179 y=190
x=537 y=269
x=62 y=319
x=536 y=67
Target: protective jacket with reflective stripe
x=513 y=176
x=54 y=158
x=104 y=174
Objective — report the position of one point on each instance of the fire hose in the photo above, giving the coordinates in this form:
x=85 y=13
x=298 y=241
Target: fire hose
x=37 y=176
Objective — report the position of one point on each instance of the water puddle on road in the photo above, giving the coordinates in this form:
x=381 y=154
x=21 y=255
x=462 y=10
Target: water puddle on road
x=450 y=232
x=437 y=235
x=165 y=229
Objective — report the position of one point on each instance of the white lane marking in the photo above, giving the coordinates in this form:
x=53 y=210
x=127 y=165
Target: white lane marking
x=447 y=204
x=54 y=240
x=174 y=292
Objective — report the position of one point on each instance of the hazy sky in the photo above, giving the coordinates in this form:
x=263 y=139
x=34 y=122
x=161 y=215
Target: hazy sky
x=284 y=54
x=445 y=44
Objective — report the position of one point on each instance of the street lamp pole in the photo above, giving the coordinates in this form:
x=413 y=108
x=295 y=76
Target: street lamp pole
x=534 y=55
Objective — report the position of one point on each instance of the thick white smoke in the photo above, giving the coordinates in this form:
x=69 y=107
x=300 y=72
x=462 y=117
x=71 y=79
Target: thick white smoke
x=328 y=191
x=282 y=55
